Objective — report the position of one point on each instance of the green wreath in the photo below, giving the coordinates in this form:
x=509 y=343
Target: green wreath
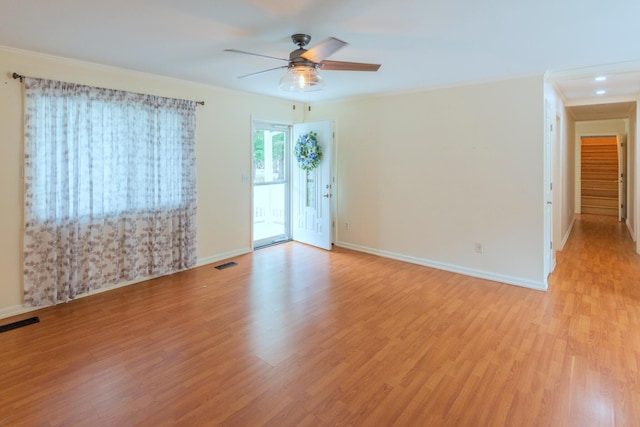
x=308 y=152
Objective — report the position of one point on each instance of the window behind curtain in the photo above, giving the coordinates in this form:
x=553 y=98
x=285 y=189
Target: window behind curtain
x=109 y=188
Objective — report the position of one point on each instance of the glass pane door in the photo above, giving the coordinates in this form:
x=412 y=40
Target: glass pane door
x=270 y=184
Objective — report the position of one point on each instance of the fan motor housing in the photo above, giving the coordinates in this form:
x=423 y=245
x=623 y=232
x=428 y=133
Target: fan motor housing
x=296 y=59
x=301 y=40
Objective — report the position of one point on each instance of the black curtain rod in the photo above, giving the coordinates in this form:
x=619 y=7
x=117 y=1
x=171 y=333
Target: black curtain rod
x=21 y=77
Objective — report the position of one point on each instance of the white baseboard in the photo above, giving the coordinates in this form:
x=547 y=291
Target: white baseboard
x=565 y=238
x=223 y=256
x=487 y=275
x=18 y=309
x=631 y=230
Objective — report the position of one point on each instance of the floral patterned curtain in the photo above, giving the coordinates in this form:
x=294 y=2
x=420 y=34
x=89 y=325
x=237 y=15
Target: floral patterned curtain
x=109 y=188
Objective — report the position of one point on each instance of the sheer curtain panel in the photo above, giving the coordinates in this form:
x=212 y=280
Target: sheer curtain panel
x=109 y=188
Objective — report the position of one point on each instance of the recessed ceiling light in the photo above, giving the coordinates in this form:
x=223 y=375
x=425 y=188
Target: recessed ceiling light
x=601 y=92
x=601 y=78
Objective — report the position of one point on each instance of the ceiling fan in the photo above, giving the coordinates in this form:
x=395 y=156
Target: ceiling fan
x=303 y=64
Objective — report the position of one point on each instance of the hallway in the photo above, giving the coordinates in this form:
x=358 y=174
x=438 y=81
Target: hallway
x=599 y=253
x=595 y=292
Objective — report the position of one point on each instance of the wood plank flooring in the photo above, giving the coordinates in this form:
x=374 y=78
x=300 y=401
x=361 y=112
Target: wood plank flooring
x=295 y=336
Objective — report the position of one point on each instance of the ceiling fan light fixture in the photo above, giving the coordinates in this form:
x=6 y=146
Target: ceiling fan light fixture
x=301 y=78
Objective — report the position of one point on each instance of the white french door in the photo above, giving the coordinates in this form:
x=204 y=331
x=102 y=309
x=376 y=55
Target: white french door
x=312 y=191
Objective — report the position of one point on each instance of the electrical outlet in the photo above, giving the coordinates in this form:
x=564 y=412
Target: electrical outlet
x=478 y=247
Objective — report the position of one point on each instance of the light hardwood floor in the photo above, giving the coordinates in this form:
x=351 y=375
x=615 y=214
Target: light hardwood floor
x=294 y=336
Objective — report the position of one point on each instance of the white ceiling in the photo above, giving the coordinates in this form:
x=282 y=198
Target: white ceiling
x=421 y=44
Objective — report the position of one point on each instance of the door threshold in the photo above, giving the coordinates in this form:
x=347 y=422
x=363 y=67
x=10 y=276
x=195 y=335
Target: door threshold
x=277 y=242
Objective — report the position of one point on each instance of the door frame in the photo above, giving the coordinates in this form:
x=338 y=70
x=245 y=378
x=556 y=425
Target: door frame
x=622 y=178
x=578 y=164
x=258 y=123
x=548 y=211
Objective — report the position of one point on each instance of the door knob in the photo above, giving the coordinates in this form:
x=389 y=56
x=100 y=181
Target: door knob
x=327 y=195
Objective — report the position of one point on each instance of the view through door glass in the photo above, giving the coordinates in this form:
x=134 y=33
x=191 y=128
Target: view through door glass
x=270 y=184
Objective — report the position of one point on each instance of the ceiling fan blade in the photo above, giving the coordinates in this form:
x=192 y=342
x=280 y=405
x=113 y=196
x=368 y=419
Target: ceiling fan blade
x=255 y=54
x=323 y=50
x=348 y=66
x=261 y=72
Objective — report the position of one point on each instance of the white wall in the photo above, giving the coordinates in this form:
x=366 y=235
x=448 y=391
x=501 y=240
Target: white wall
x=223 y=140
x=423 y=176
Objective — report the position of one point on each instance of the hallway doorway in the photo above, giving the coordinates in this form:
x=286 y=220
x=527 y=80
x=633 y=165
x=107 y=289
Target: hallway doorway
x=599 y=175
x=600 y=120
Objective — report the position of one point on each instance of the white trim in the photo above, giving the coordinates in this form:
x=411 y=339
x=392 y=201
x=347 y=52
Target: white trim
x=481 y=274
x=636 y=168
x=107 y=68
x=565 y=238
x=18 y=309
x=574 y=73
x=600 y=100
x=630 y=229
x=222 y=256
